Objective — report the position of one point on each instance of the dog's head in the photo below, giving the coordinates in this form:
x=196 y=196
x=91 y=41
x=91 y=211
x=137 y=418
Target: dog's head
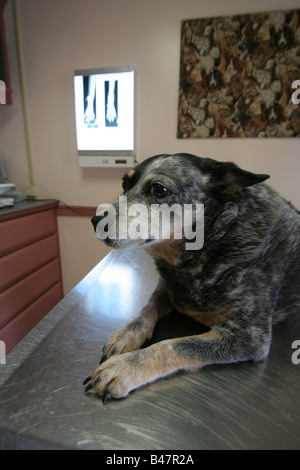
x=159 y=190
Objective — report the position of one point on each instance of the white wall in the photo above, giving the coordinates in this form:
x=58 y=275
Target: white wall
x=60 y=36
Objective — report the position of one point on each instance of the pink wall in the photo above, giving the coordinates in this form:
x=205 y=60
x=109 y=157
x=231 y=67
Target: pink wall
x=60 y=36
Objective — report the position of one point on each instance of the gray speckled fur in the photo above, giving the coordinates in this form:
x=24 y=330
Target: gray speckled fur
x=250 y=261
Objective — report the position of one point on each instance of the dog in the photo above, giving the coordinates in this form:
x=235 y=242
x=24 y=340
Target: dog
x=244 y=279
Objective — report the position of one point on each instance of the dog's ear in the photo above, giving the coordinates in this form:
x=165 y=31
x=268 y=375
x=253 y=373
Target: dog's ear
x=227 y=179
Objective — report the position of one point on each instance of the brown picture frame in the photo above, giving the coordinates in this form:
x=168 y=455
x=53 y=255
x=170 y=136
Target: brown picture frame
x=239 y=75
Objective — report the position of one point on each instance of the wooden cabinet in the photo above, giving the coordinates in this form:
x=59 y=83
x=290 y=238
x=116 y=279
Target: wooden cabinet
x=30 y=272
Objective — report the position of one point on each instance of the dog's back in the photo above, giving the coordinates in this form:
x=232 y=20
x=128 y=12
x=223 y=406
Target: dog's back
x=281 y=252
x=276 y=224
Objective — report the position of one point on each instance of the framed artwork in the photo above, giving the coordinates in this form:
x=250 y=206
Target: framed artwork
x=240 y=76
x=5 y=87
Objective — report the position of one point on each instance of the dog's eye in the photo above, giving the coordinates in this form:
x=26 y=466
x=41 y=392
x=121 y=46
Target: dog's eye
x=158 y=190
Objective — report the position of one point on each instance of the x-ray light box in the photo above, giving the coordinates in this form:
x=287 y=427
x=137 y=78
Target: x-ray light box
x=104 y=114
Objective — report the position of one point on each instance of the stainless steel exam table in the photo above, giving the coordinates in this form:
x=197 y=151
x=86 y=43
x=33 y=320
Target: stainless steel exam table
x=43 y=404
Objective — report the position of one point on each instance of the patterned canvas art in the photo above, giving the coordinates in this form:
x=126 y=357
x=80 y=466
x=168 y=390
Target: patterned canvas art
x=236 y=76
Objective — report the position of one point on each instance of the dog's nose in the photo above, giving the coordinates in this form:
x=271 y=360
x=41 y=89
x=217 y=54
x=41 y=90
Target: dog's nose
x=95 y=221
x=100 y=212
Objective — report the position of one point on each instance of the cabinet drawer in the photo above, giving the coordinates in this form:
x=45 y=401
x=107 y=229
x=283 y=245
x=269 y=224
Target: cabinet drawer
x=20 y=263
x=17 y=233
x=16 y=329
x=26 y=291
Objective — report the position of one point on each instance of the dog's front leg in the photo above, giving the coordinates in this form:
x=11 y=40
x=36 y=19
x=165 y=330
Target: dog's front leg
x=133 y=335
x=121 y=374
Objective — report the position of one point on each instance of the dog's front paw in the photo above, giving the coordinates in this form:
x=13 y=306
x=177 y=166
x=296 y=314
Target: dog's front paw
x=128 y=338
x=116 y=377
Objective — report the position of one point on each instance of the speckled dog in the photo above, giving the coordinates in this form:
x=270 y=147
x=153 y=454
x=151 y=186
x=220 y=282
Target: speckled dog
x=244 y=279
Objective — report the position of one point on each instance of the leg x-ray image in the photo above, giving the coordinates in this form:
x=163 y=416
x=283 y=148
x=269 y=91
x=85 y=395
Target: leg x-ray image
x=111 y=103
x=92 y=88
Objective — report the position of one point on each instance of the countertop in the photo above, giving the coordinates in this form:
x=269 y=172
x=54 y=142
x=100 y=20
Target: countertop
x=28 y=205
x=43 y=404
